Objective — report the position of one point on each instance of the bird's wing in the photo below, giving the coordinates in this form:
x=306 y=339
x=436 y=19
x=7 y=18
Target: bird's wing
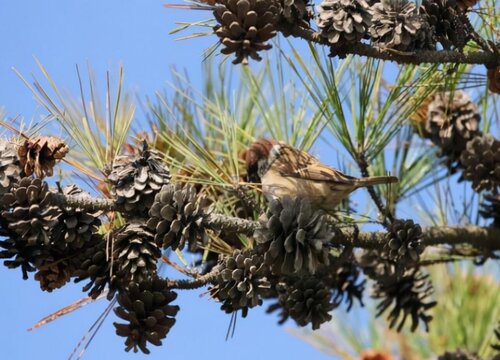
x=292 y=162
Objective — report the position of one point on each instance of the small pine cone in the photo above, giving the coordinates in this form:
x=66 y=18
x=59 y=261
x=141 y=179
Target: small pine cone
x=245 y=26
x=10 y=166
x=453 y=120
x=76 y=226
x=481 y=163
x=404 y=241
x=458 y=355
x=446 y=19
x=135 y=180
x=295 y=237
x=306 y=300
x=297 y=12
x=490 y=209
x=135 y=253
x=346 y=284
x=407 y=295
x=28 y=213
x=242 y=282
x=176 y=217
x=494 y=80
x=396 y=24
x=344 y=21
x=149 y=316
x=92 y=264
x=40 y=154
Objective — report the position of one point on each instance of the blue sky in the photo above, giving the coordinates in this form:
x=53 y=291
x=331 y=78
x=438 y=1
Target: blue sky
x=105 y=34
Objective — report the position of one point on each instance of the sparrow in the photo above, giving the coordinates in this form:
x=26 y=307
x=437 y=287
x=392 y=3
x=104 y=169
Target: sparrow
x=283 y=170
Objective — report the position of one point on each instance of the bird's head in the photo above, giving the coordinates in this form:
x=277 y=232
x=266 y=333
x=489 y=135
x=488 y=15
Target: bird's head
x=257 y=159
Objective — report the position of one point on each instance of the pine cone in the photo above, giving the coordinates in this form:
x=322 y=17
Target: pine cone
x=137 y=179
x=494 y=80
x=10 y=166
x=148 y=314
x=242 y=282
x=245 y=26
x=407 y=296
x=28 y=213
x=295 y=238
x=481 y=163
x=404 y=241
x=448 y=23
x=453 y=120
x=376 y=264
x=40 y=154
x=176 y=217
x=458 y=355
x=346 y=285
x=306 y=300
x=21 y=255
x=93 y=264
x=135 y=253
x=344 y=21
x=396 y=24
x=55 y=269
x=490 y=209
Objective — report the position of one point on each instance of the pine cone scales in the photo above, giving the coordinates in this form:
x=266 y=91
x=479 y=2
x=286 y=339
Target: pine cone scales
x=245 y=26
x=28 y=214
x=39 y=155
x=403 y=241
x=135 y=253
x=408 y=293
x=481 y=163
x=295 y=236
x=346 y=286
x=146 y=308
x=445 y=18
x=176 y=217
x=242 y=282
x=344 y=21
x=396 y=24
x=297 y=12
x=306 y=300
x=10 y=166
x=453 y=120
x=136 y=179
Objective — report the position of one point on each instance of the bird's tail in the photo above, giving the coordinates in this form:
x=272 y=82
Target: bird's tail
x=375 y=180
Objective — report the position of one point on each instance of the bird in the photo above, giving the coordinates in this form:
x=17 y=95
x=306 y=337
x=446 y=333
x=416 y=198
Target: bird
x=283 y=170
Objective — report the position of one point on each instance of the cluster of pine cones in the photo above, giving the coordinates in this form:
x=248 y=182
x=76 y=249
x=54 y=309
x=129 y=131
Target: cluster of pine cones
x=451 y=121
x=244 y=27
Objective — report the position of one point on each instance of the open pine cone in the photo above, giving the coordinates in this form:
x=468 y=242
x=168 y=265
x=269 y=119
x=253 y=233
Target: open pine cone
x=344 y=21
x=39 y=155
x=245 y=26
x=10 y=166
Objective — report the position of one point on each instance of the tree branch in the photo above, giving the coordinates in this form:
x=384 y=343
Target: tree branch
x=487 y=58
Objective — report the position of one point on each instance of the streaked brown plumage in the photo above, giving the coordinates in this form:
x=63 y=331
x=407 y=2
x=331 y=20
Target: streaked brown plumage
x=285 y=171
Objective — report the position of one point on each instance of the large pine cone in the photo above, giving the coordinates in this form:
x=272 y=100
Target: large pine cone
x=396 y=24
x=10 y=166
x=344 y=21
x=453 y=120
x=176 y=217
x=447 y=21
x=136 y=179
x=245 y=26
x=148 y=314
x=407 y=296
x=481 y=163
x=242 y=282
x=295 y=238
x=39 y=155
x=28 y=212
